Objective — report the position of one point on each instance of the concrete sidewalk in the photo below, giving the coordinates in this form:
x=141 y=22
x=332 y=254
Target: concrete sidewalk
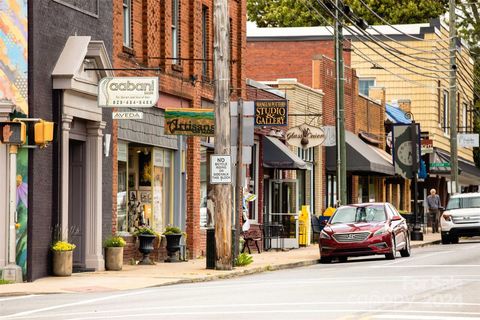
x=162 y=274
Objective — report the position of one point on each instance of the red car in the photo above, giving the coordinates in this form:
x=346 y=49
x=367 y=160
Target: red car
x=362 y=230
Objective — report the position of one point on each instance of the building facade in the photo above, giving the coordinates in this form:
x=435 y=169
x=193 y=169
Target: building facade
x=167 y=174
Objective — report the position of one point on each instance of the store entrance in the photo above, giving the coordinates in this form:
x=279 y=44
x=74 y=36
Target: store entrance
x=282 y=216
x=76 y=201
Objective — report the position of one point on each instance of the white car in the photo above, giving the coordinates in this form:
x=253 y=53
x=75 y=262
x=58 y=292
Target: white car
x=461 y=218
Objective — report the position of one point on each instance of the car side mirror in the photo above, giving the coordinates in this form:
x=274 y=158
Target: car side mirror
x=396 y=218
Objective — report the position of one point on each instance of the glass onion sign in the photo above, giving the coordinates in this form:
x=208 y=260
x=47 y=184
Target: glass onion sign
x=190 y=122
x=137 y=92
x=271 y=113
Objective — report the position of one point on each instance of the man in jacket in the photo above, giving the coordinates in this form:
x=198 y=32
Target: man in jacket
x=434 y=206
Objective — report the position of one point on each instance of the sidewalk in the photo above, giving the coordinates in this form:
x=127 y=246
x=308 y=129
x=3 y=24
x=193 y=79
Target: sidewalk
x=162 y=274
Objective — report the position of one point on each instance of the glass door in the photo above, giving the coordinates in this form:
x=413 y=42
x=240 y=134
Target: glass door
x=283 y=213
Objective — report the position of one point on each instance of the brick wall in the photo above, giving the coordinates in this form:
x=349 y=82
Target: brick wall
x=152 y=48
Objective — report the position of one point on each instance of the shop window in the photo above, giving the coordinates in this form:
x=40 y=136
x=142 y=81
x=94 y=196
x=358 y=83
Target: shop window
x=122 y=185
x=331 y=190
x=464 y=127
x=203 y=186
x=253 y=185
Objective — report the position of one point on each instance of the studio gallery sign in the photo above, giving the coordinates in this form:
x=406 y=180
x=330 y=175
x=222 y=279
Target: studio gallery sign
x=305 y=136
x=190 y=122
x=122 y=92
x=271 y=113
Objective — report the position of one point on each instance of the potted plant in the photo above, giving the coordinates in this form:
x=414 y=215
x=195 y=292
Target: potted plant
x=114 y=253
x=146 y=237
x=173 y=235
x=62 y=258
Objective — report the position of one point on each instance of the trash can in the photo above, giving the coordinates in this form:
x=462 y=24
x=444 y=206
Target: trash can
x=211 y=255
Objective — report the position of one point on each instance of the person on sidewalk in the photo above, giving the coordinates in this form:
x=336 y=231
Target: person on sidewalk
x=434 y=206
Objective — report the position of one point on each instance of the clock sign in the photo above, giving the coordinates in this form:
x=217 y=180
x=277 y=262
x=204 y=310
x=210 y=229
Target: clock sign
x=403 y=149
x=404 y=153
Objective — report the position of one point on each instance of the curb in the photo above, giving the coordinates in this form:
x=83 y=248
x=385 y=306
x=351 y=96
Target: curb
x=426 y=244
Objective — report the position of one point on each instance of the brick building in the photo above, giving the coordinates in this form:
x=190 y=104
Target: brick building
x=176 y=39
x=307 y=54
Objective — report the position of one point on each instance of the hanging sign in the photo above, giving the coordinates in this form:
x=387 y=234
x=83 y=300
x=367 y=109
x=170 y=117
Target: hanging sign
x=221 y=169
x=305 y=136
x=121 y=92
x=468 y=140
x=427 y=146
x=190 y=122
x=131 y=115
x=271 y=113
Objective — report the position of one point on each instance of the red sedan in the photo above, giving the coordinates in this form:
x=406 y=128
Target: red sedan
x=362 y=230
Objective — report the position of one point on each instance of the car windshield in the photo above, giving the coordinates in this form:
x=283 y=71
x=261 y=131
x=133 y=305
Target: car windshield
x=460 y=203
x=359 y=214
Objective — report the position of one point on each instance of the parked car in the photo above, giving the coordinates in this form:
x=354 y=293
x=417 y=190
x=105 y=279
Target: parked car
x=362 y=230
x=461 y=218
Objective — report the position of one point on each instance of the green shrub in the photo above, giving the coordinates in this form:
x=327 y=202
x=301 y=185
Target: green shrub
x=145 y=230
x=243 y=259
x=114 y=241
x=172 y=230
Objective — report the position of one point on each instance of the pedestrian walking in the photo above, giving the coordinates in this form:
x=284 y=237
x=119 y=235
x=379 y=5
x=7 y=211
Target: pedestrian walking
x=434 y=206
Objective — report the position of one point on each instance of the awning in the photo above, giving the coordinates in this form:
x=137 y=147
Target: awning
x=277 y=155
x=361 y=157
x=396 y=114
x=468 y=172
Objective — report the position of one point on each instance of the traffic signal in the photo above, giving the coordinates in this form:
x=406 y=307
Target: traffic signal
x=43 y=132
x=13 y=132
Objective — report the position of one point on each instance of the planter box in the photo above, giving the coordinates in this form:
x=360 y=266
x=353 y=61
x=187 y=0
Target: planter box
x=62 y=263
x=114 y=258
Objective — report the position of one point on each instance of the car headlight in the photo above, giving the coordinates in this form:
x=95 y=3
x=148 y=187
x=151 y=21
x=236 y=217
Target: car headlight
x=324 y=235
x=382 y=230
x=447 y=217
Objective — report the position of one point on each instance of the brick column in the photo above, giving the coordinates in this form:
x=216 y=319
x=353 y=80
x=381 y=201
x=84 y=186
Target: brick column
x=193 y=197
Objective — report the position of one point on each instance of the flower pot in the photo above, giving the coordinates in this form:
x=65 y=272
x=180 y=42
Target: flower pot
x=114 y=258
x=146 y=247
x=62 y=263
x=173 y=246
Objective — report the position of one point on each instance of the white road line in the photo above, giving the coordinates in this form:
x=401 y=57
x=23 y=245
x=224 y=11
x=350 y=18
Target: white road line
x=245 y=305
x=418 y=317
x=416 y=257
x=19 y=297
x=282 y=311
x=60 y=306
x=430 y=266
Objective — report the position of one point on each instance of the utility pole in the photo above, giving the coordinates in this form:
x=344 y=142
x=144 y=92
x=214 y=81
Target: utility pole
x=222 y=192
x=453 y=99
x=340 y=109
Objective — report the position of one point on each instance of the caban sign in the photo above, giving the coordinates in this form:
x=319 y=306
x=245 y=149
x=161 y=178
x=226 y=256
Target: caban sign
x=121 y=92
x=271 y=113
x=190 y=122
x=305 y=136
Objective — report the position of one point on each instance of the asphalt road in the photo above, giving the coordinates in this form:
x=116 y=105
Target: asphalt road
x=436 y=282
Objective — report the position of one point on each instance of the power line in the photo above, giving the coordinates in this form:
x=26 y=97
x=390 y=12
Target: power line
x=375 y=41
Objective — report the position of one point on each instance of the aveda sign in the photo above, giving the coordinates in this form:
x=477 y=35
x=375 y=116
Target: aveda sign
x=135 y=92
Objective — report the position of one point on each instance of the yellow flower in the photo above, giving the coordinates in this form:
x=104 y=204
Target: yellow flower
x=63 y=246
x=17 y=225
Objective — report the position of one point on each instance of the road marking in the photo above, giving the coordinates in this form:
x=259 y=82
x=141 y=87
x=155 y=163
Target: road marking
x=20 y=297
x=418 y=317
x=417 y=257
x=430 y=266
x=60 y=306
x=245 y=305
x=283 y=311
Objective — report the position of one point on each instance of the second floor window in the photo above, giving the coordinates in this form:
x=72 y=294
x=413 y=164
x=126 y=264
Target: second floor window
x=446 y=113
x=364 y=85
x=127 y=23
x=464 y=125
x=175 y=31
x=204 y=42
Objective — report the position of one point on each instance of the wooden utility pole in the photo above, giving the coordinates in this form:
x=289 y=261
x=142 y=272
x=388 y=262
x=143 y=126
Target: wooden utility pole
x=222 y=192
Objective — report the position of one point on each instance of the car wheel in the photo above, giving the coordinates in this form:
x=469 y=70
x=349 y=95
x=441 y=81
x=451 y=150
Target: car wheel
x=392 y=255
x=325 y=259
x=343 y=259
x=454 y=239
x=406 y=252
x=446 y=239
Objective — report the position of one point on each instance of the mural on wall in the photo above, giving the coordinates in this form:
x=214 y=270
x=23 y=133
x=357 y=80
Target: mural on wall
x=13 y=87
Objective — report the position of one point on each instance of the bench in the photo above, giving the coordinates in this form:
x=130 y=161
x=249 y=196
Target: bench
x=252 y=236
